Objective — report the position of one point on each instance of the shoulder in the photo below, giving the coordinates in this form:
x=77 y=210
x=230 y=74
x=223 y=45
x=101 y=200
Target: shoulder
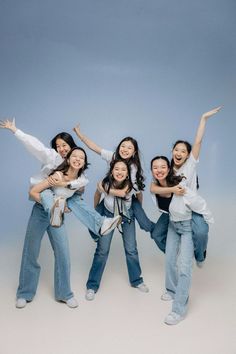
x=58 y=174
x=189 y=164
x=192 y=159
x=107 y=155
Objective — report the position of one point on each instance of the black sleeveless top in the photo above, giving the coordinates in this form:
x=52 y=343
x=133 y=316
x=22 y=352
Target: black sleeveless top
x=163 y=202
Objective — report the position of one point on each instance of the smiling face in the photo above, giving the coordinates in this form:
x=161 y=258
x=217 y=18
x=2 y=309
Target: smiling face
x=62 y=147
x=77 y=159
x=120 y=171
x=180 y=154
x=160 y=170
x=126 y=150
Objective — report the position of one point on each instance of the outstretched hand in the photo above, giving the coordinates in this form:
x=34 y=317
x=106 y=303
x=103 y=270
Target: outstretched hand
x=77 y=130
x=8 y=124
x=211 y=113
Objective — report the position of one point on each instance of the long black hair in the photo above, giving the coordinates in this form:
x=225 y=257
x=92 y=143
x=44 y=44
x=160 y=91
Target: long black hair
x=189 y=149
x=64 y=136
x=135 y=159
x=64 y=166
x=108 y=182
x=171 y=178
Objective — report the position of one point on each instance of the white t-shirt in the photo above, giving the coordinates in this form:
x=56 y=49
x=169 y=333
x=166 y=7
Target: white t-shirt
x=49 y=158
x=179 y=211
x=189 y=170
x=110 y=199
x=65 y=192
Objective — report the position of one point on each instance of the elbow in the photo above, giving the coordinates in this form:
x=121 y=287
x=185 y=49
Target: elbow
x=31 y=194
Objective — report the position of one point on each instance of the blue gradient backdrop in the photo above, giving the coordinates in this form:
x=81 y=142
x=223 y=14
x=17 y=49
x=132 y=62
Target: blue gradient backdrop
x=148 y=69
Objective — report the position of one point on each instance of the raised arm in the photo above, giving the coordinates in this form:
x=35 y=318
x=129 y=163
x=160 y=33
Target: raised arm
x=201 y=130
x=32 y=144
x=89 y=143
x=8 y=124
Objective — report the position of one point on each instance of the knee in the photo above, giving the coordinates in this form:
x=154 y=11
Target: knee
x=131 y=251
x=200 y=237
x=185 y=269
x=102 y=253
x=199 y=226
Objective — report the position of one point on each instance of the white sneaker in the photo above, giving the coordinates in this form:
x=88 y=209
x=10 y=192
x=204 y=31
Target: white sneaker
x=200 y=264
x=90 y=294
x=57 y=212
x=166 y=296
x=173 y=318
x=72 y=303
x=110 y=224
x=143 y=287
x=21 y=303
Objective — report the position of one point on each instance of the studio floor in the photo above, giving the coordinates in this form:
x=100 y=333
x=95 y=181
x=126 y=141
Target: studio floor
x=121 y=319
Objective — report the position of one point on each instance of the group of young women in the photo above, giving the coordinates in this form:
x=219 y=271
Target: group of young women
x=181 y=232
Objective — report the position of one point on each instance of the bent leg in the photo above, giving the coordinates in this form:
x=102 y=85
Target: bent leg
x=159 y=233
x=85 y=214
x=144 y=222
x=200 y=231
x=47 y=200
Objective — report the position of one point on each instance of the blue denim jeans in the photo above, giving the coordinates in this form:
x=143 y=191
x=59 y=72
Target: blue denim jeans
x=102 y=252
x=159 y=233
x=30 y=269
x=200 y=236
x=200 y=231
x=144 y=222
x=179 y=271
x=82 y=211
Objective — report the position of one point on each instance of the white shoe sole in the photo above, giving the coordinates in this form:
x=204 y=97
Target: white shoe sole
x=57 y=212
x=21 y=303
x=90 y=296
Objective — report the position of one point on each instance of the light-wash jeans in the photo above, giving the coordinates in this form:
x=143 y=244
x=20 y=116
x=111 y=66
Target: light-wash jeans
x=179 y=259
x=88 y=216
x=38 y=224
x=102 y=252
x=200 y=231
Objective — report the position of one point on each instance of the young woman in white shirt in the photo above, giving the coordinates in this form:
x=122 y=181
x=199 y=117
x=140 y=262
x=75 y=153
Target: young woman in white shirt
x=126 y=150
x=117 y=189
x=39 y=222
x=67 y=172
x=179 y=237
